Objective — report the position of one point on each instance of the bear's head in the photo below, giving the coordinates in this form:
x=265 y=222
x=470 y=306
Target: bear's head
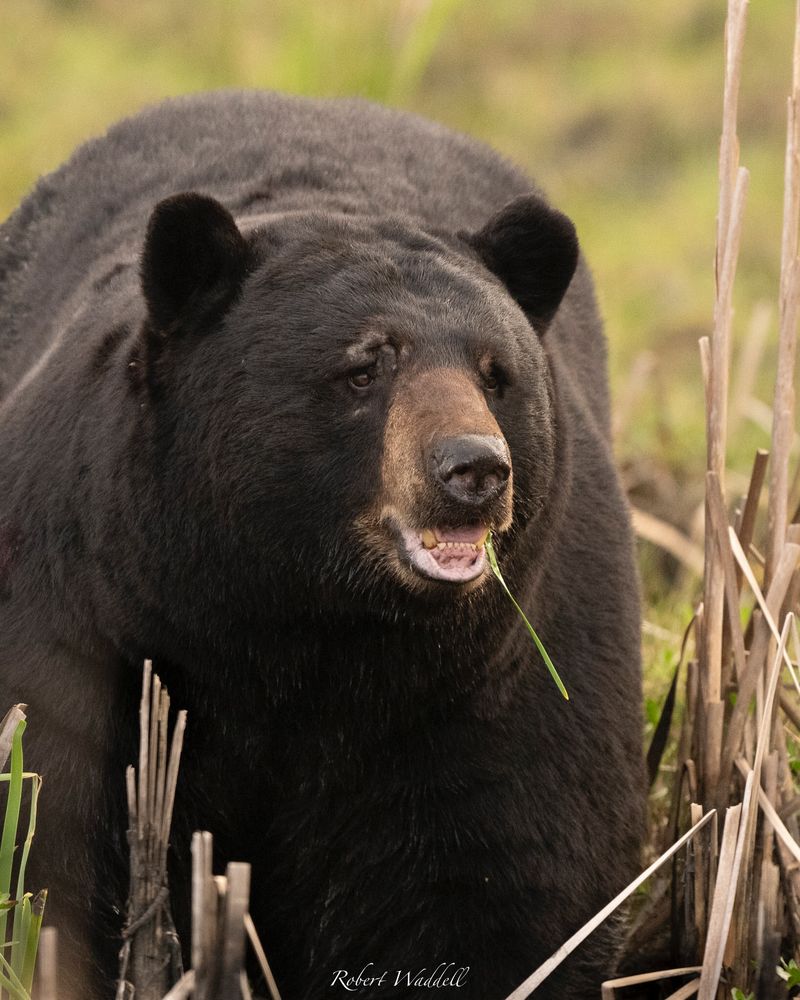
x=349 y=400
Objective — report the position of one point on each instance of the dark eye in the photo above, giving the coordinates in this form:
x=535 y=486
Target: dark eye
x=362 y=379
x=492 y=379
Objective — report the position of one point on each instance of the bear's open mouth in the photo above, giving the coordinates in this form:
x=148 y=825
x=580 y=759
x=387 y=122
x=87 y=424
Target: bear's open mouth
x=450 y=554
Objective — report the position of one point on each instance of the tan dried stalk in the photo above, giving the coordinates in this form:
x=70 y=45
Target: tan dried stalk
x=783 y=403
x=221 y=927
x=732 y=187
x=524 y=990
x=733 y=181
x=150 y=958
x=609 y=988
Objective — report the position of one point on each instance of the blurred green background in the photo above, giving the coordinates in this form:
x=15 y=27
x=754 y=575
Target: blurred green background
x=613 y=105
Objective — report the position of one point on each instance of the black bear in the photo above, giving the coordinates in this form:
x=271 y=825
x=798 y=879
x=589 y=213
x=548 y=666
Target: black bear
x=271 y=370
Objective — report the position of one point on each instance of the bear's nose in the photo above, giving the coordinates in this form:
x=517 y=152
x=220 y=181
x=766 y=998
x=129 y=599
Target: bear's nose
x=472 y=468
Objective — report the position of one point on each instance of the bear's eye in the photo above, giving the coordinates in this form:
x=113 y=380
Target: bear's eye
x=362 y=379
x=493 y=379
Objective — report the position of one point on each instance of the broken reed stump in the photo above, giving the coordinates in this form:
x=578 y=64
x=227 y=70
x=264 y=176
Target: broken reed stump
x=150 y=959
x=47 y=965
x=221 y=927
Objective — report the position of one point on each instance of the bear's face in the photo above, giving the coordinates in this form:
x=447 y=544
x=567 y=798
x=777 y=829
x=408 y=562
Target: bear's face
x=373 y=389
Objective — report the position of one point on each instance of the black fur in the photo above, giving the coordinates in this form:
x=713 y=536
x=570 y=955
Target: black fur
x=533 y=249
x=183 y=468
x=193 y=262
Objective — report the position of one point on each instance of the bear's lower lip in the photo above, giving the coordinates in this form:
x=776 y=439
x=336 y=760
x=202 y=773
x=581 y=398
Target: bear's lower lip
x=450 y=555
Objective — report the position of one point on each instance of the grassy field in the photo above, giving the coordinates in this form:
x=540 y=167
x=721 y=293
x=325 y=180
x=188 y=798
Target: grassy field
x=613 y=105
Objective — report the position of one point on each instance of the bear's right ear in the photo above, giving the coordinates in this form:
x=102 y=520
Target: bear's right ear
x=193 y=262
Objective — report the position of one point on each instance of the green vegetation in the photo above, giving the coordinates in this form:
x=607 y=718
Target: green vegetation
x=537 y=641
x=613 y=105
x=789 y=972
x=18 y=950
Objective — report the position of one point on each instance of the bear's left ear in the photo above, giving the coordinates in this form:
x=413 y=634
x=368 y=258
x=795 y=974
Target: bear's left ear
x=193 y=262
x=533 y=249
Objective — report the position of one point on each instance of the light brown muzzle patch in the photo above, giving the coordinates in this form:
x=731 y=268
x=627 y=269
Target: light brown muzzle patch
x=429 y=407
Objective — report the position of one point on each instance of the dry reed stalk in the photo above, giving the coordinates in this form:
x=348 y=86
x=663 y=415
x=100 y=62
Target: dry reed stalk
x=777 y=824
x=524 y=990
x=791 y=710
x=733 y=181
x=755 y=892
x=221 y=926
x=783 y=402
x=720 y=526
x=748 y=681
x=237 y=899
x=47 y=965
x=686 y=991
x=721 y=908
x=771 y=605
x=764 y=886
x=701 y=880
x=184 y=987
x=609 y=988
x=150 y=959
x=204 y=915
x=743 y=921
x=745 y=529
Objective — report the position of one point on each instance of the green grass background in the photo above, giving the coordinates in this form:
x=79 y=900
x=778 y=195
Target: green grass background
x=613 y=105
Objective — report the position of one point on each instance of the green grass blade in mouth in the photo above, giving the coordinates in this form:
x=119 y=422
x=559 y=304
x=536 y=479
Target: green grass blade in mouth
x=539 y=645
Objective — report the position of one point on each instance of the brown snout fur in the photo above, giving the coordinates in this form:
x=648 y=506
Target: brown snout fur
x=430 y=406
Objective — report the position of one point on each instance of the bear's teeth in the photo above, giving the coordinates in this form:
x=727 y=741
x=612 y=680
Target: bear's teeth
x=428 y=539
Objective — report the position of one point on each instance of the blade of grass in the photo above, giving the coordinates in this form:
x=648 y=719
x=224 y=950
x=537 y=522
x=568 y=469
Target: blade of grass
x=11 y=822
x=548 y=662
x=7 y=729
x=19 y=934
x=32 y=939
x=9 y=981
